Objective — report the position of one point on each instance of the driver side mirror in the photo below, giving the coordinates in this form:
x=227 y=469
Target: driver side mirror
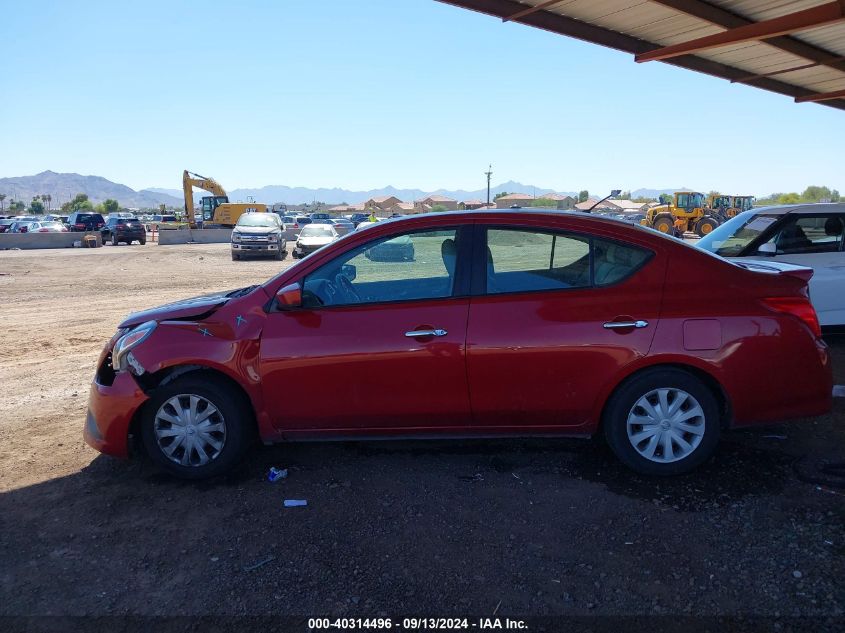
x=768 y=248
x=290 y=296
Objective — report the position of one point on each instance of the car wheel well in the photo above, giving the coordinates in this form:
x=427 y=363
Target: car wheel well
x=150 y=382
x=725 y=411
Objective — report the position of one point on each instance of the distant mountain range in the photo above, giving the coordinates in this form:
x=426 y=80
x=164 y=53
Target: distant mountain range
x=302 y=195
x=64 y=187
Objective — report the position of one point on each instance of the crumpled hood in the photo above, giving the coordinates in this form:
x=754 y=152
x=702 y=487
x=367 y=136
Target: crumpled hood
x=184 y=309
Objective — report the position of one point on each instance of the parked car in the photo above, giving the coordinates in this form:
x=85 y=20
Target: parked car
x=85 y=221
x=161 y=222
x=126 y=215
x=320 y=218
x=357 y=218
x=807 y=235
x=505 y=324
x=56 y=218
x=258 y=234
x=342 y=226
x=127 y=230
x=313 y=237
x=302 y=220
x=5 y=224
x=400 y=249
x=46 y=227
x=20 y=226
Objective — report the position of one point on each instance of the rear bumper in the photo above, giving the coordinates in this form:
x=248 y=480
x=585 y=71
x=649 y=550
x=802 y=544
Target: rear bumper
x=110 y=412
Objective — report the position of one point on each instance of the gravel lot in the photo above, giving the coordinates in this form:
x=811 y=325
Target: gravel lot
x=540 y=527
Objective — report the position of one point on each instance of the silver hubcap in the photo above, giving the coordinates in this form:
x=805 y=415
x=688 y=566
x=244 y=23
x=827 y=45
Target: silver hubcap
x=666 y=425
x=190 y=430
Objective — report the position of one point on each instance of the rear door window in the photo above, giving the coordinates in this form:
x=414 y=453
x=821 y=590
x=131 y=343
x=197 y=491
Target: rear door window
x=525 y=260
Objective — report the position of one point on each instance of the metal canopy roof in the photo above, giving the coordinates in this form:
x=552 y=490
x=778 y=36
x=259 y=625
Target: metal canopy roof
x=792 y=47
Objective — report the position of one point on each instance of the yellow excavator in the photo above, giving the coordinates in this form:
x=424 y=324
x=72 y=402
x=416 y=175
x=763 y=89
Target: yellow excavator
x=686 y=212
x=216 y=209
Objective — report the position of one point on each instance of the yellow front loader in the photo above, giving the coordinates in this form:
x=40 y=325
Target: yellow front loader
x=686 y=213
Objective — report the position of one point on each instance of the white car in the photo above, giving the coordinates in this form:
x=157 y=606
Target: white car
x=313 y=237
x=809 y=235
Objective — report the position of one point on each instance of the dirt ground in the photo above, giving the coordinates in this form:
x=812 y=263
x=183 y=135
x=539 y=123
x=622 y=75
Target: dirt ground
x=515 y=527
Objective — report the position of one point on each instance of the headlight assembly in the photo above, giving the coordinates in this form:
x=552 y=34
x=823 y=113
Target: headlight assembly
x=236 y=237
x=129 y=341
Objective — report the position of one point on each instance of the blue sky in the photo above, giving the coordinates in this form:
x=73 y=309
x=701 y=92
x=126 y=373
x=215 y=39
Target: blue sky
x=411 y=93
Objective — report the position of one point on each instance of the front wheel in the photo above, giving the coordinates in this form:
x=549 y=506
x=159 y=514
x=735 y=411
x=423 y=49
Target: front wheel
x=235 y=256
x=196 y=427
x=706 y=225
x=662 y=422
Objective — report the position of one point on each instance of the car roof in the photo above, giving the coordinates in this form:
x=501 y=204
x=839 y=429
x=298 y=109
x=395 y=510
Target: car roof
x=807 y=208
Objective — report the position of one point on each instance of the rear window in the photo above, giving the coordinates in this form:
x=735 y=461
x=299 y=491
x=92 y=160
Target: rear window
x=89 y=217
x=131 y=221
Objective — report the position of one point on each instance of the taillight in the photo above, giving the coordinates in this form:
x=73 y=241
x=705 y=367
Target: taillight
x=99 y=224
x=79 y=225
x=796 y=306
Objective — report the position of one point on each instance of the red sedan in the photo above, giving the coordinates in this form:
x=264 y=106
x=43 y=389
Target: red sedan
x=501 y=324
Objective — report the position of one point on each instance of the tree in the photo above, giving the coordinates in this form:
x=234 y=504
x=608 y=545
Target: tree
x=36 y=207
x=834 y=196
x=665 y=198
x=17 y=205
x=438 y=208
x=2 y=198
x=625 y=195
x=583 y=195
x=788 y=198
x=544 y=202
x=80 y=202
x=643 y=199
x=499 y=195
x=110 y=205
x=815 y=193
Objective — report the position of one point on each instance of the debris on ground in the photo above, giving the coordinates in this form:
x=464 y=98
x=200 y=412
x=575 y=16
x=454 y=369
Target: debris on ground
x=277 y=473
x=260 y=563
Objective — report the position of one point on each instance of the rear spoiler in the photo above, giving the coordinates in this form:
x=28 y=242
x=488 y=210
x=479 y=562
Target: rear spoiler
x=775 y=268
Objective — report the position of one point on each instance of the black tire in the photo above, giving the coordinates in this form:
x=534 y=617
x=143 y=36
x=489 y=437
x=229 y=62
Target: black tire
x=622 y=404
x=278 y=255
x=706 y=225
x=235 y=256
x=664 y=222
x=114 y=240
x=142 y=242
x=236 y=416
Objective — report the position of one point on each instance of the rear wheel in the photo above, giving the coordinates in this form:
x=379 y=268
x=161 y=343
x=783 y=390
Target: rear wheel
x=196 y=427
x=664 y=222
x=142 y=242
x=114 y=240
x=662 y=422
x=705 y=226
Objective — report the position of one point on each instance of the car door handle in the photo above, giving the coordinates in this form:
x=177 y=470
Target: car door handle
x=420 y=333
x=618 y=325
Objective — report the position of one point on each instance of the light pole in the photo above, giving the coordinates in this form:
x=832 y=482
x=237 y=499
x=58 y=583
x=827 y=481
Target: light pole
x=489 y=173
x=614 y=192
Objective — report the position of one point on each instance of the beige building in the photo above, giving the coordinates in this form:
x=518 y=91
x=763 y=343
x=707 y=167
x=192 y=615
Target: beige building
x=382 y=203
x=561 y=201
x=426 y=204
x=471 y=205
x=518 y=199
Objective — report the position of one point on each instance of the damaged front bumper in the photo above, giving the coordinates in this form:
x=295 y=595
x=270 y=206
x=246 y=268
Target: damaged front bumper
x=113 y=400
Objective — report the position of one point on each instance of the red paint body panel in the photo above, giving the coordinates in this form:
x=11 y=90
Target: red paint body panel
x=520 y=363
x=351 y=368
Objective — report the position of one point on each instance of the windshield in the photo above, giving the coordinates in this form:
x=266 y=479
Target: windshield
x=258 y=219
x=317 y=230
x=731 y=238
